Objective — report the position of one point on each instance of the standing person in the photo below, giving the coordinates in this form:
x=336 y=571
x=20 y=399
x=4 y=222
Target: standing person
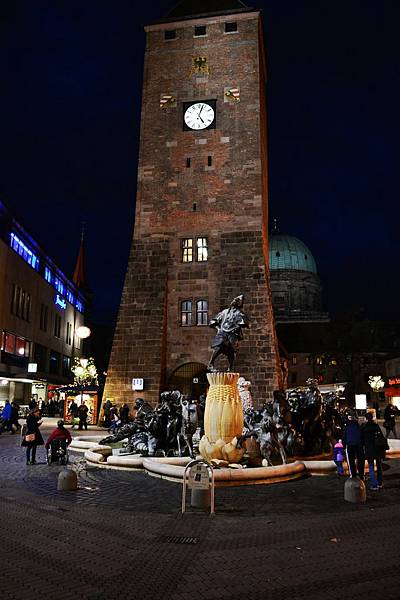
x=6 y=416
x=73 y=411
x=32 y=403
x=375 y=446
x=15 y=426
x=338 y=457
x=389 y=416
x=124 y=413
x=83 y=415
x=33 y=437
x=51 y=408
x=114 y=418
x=107 y=410
x=352 y=442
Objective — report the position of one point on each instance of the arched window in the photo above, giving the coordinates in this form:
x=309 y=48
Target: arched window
x=201 y=312
x=186 y=313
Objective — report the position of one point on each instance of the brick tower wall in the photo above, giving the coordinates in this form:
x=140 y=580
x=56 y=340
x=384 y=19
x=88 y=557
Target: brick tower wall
x=226 y=202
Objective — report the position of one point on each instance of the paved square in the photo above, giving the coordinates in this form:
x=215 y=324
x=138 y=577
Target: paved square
x=121 y=535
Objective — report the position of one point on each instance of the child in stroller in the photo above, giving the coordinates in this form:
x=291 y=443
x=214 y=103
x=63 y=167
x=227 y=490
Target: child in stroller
x=57 y=444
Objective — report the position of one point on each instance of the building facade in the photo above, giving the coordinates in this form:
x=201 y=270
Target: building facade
x=40 y=310
x=200 y=235
x=296 y=287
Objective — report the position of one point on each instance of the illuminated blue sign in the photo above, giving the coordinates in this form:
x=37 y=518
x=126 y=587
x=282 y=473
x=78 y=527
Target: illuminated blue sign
x=60 y=301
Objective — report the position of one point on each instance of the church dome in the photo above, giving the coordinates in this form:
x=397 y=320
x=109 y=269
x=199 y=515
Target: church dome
x=289 y=253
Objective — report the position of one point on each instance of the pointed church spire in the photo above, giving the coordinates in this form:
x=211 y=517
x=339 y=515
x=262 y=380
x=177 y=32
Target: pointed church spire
x=79 y=274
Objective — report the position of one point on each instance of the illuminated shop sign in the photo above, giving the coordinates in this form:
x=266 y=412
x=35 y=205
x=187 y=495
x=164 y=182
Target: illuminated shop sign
x=60 y=301
x=394 y=381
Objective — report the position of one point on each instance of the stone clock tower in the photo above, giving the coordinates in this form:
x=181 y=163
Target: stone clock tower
x=200 y=235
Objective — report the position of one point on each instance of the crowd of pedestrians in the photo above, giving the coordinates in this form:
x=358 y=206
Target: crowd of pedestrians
x=114 y=417
x=360 y=443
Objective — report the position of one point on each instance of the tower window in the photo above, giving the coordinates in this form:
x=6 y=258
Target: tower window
x=186 y=313
x=194 y=206
x=188 y=161
x=202 y=249
x=209 y=161
x=170 y=34
x=201 y=312
x=187 y=250
x=230 y=27
x=200 y=30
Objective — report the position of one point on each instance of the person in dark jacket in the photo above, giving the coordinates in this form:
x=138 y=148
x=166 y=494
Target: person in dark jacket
x=124 y=413
x=33 y=423
x=375 y=446
x=353 y=445
x=83 y=415
x=73 y=411
x=107 y=410
x=389 y=415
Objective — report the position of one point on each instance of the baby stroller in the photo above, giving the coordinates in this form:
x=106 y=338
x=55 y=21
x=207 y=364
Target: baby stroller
x=58 y=452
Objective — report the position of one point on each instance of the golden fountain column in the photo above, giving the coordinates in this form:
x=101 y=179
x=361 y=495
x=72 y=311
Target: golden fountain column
x=223 y=419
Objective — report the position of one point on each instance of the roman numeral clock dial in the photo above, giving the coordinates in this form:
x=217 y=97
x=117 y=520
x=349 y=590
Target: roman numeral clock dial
x=199 y=115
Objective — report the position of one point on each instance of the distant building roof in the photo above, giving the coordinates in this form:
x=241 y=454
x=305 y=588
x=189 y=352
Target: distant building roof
x=289 y=253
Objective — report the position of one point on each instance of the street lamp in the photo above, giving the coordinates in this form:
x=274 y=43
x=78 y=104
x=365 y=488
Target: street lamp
x=376 y=383
x=85 y=373
x=83 y=332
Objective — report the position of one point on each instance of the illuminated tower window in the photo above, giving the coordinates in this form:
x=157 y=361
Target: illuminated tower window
x=187 y=250
x=202 y=250
x=186 y=313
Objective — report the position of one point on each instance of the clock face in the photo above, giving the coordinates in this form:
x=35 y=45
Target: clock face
x=199 y=115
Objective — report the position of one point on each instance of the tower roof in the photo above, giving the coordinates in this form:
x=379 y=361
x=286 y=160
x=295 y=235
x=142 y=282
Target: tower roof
x=196 y=8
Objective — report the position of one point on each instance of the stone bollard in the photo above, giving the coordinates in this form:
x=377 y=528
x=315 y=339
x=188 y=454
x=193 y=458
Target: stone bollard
x=67 y=481
x=200 y=498
x=354 y=490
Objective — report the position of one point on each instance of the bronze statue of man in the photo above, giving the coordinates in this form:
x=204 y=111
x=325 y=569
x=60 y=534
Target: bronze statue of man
x=229 y=324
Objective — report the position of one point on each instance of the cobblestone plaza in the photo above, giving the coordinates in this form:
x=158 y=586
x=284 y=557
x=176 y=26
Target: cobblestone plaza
x=121 y=535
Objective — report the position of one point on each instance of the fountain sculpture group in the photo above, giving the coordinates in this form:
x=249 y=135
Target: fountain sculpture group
x=297 y=423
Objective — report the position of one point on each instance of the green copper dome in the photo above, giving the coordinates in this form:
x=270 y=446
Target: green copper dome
x=288 y=252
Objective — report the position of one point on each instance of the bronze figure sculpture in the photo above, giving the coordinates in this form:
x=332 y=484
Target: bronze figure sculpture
x=229 y=324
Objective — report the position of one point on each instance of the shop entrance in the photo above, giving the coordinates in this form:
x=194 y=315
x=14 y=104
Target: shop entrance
x=190 y=379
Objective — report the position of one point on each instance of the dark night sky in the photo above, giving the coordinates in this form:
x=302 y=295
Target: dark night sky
x=69 y=125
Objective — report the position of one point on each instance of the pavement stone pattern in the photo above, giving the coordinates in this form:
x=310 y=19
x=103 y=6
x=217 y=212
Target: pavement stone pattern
x=119 y=536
